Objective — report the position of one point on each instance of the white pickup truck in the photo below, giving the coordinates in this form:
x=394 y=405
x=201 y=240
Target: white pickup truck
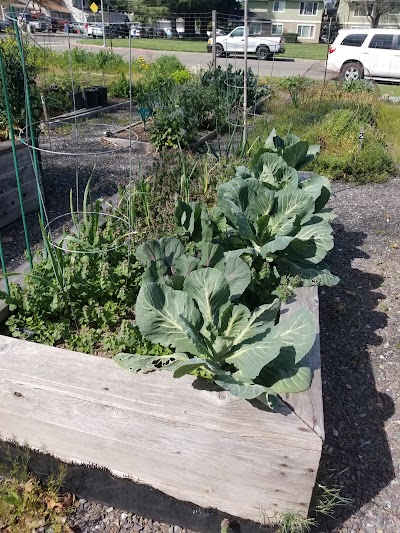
x=233 y=43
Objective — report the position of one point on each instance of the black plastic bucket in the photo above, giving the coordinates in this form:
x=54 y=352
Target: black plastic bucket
x=91 y=97
x=102 y=94
x=79 y=100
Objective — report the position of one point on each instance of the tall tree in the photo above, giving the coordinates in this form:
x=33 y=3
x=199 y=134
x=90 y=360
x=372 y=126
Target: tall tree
x=376 y=9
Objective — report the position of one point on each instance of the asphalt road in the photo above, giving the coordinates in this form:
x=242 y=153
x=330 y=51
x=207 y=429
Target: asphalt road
x=280 y=66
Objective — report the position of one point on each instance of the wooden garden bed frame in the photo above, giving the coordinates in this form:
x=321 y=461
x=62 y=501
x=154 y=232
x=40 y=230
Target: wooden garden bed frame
x=193 y=444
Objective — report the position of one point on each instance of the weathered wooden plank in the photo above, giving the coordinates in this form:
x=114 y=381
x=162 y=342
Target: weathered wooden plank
x=7 y=160
x=8 y=180
x=205 y=447
x=10 y=198
x=13 y=213
x=308 y=405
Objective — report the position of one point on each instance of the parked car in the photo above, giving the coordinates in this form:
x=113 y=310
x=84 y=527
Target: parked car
x=52 y=25
x=160 y=33
x=369 y=53
x=171 y=34
x=4 y=25
x=96 y=31
x=219 y=32
x=121 y=30
x=38 y=25
x=262 y=47
x=140 y=32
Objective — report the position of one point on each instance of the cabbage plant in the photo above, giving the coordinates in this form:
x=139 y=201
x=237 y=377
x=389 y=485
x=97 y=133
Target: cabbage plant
x=244 y=352
x=288 y=227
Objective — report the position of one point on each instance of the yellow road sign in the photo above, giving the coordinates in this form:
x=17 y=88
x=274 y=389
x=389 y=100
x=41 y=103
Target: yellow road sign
x=94 y=7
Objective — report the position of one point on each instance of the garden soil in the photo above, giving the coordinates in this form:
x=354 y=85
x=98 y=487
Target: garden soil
x=360 y=345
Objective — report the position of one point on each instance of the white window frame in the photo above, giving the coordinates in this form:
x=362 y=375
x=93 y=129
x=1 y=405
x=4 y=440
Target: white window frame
x=280 y=3
x=306 y=25
x=306 y=14
x=276 y=24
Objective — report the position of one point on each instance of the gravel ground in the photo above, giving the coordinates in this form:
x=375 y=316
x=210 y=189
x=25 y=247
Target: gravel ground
x=360 y=343
x=93 y=517
x=109 y=171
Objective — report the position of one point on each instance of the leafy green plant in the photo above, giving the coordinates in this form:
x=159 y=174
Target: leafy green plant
x=295 y=152
x=120 y=87
x=171 y=127
x=229 y=84
x=16 y=85
x=26 y=504
x=357 y=86
x=297 y=87
x=243 y=352
x=288 y=228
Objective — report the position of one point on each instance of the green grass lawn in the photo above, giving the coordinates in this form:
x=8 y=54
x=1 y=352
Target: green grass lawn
x=388 y=88
x=293 y=50
x=173 y=45
x=305 y=51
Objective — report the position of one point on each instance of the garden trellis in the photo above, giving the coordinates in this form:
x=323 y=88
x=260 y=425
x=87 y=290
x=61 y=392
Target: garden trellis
x=74 y=145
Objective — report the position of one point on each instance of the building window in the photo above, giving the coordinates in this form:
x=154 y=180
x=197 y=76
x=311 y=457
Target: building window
x=359 y=10
x=308 y=8
x=279 y=6
x=306 y=31
x=277 y=29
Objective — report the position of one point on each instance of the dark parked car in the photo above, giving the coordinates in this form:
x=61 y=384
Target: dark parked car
x=140 y=32
x=160 y=33
x=121 y=30
x=4 y=24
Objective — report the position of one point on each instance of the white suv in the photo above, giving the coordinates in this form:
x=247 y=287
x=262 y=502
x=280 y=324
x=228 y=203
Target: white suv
x=356 y=54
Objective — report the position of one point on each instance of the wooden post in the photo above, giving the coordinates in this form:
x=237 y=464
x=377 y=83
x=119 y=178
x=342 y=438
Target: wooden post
x=214 y=38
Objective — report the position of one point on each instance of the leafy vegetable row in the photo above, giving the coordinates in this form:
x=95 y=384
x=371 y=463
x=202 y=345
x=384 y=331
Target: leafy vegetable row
x=211 y=296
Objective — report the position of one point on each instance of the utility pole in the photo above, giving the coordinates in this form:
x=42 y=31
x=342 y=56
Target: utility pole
x=102 y=23
x=246 y=42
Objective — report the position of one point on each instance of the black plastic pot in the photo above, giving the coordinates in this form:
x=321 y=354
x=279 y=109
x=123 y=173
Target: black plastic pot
x=102 y=94
x=79 y=100
x=91 y=97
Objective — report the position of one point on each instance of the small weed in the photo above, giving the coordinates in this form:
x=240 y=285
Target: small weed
x=289 y=521
x=397 y=345
x=26 y=504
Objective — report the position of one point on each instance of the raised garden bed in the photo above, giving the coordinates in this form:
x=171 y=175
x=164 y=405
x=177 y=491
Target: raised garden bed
x=197 y=445
x=10 y=209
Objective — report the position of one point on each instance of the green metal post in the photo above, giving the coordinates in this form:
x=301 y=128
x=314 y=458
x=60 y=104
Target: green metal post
x=14 y=152
x=3 y=266
x=29 y=113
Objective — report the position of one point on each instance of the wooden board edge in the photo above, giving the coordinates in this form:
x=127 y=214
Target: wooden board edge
x=308 y=405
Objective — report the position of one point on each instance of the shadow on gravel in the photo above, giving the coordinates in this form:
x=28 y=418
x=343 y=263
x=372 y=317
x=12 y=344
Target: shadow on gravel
x=98 y=485
x=356 y=452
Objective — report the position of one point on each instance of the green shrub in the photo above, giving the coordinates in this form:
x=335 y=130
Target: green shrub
x=166 y=65
x=16 y=85
x=296 y=86
x=171 y=127
x=357 y=86
x=120 y=87
x=290 y=37
x=181 y=76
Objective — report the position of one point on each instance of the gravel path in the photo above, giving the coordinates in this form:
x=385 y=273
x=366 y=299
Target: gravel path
x=108 y=171
x=360 y=343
